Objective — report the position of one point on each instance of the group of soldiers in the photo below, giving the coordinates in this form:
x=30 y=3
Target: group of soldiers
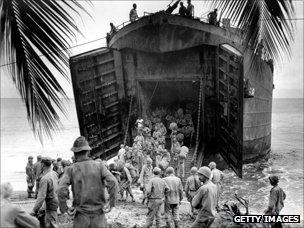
x=34 y=171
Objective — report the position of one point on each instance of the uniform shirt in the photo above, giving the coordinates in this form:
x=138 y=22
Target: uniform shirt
x=29 y=170
x=192 y=184
x=175 y=194
x=14 y=216
x=88 y=179
x=156 y=188
x=133 y=15
x=146 y=174
x=216 y=176
x=47 y=191
x=206 y=198
x=276 y=199
x=37 y=169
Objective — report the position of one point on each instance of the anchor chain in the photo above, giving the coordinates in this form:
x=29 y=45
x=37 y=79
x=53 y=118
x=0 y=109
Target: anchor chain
x=198 y=121
x=128 y=121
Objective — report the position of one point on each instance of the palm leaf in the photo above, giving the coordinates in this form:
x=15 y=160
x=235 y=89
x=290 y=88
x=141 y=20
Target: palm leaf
x=35 y=37
x=266 y=21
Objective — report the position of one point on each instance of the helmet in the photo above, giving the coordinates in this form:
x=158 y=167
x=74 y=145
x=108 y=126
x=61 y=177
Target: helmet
x=193 y=170
x=173 y=126
x=180 y=137
x=156 y=170
x=212 y=165
x=205 y=171
x=147 y=130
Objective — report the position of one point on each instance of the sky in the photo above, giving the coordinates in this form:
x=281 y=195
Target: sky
x=288 y=77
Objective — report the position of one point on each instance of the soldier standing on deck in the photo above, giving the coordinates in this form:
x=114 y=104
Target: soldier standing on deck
x=174 y=197
x=133 y=13
x=89 y=179
x=156 y=191
x=30 y=176
x=145 y=176
x=205 y=200
x=47 y=194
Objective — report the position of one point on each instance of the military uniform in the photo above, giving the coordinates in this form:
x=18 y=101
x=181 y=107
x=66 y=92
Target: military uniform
x=37 y=171
x=47 y=193
x=30 y=178
x=192 y=185
x=205 y=200
x=156 y=190
x=173 y=199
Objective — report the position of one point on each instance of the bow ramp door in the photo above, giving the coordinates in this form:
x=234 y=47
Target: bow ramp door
x=96 y=91
x=230 y=94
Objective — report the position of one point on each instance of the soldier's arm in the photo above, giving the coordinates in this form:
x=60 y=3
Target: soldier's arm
x=25 y=220
x=62 y=192
x=41 y=195
x=149 y=188
x=187 y=187
x=141 y=176
x=197 y=199
x=111 y=183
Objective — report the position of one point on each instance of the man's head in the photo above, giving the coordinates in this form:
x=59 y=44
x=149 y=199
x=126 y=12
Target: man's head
x=189 y=1
x=134 y=6
x=39 y=158
x=204 y=173
x=6 y=190
x=212 y=165
x=156 y=171
x=111 y=24
x=181 y=4
x=59 y=159
x=122 y=146
x=169 y=170
x=274 y=180
x=46 y=162
x=30 y=159
x=81 y=147
x=193 y=170
x=215 y=10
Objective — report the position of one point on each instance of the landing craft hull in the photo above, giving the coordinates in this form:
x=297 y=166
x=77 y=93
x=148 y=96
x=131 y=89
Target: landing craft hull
x=161 y=60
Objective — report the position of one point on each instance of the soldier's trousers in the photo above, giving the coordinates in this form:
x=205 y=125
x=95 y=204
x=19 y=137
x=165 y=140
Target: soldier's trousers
x=30 y=184
x=171 y=210
x=154 y=211
x=203 y=220
x=51 y=219
x=83 y=220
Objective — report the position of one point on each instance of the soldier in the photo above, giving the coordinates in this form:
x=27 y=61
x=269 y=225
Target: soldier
x=47 y=194
x=182 y=159
x=212 y=17
x=217 y=177
x=149 y=144
x=125 y=183
x=276 y=200
x=12 y=215
x=37 y=170
x=121 y=152
x=205 y=200
x=145 y=176
x=89 y=179
x=30 y=176
x=133 y=13
x=192 y=185
x=156 y=191
x=175 y=151
x=174 y=197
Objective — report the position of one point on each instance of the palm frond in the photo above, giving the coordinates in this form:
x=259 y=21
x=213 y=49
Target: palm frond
x=35 y=37
x=266 y=21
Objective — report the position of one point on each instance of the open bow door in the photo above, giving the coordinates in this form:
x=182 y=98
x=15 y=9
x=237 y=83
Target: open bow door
x=95 y=78
x=230 y=113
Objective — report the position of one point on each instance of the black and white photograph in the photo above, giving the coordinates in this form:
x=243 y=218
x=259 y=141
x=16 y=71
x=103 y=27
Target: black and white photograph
x=159 y=113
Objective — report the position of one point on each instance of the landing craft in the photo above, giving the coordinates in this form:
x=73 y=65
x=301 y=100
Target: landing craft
x=162 y=60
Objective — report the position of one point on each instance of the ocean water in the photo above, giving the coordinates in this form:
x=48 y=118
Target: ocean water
x=285 y=160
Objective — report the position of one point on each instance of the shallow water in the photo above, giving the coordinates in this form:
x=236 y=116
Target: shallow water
x=285 y=160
